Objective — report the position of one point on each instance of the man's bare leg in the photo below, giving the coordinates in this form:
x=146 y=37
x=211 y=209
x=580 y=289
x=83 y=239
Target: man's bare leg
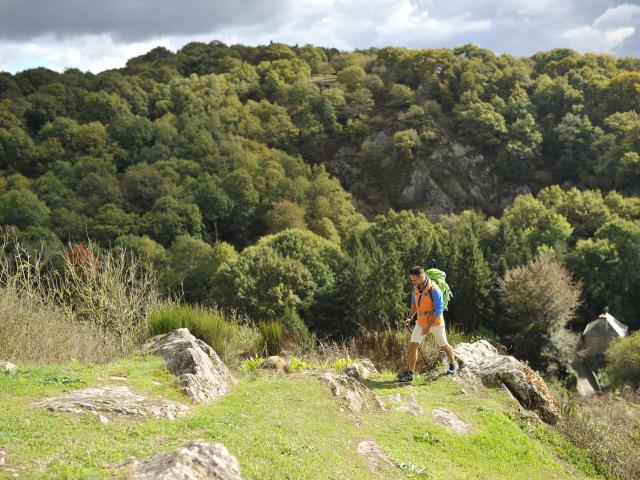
x=448 y=349
x=413 y=356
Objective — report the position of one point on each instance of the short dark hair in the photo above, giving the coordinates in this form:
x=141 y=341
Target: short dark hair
x=417 y=270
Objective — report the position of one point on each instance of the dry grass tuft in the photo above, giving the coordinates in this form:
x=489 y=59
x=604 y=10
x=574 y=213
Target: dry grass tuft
x=91 y=312
x=608 y=427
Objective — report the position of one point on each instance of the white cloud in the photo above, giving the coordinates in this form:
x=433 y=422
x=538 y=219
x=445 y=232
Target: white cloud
x=607 y=32
x=519 y=27
x=7 y=52
x=349 y=24
x=88 y=52
x=538 y=7
x=620 y=16
x=407 y=21
x=591 y=39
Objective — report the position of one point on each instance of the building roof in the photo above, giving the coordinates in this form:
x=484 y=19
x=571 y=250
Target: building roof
x=606 y=326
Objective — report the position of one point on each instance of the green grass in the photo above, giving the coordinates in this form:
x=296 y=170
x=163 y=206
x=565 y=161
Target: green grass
x=230 y=336
x=279 y=427
x=497 y=448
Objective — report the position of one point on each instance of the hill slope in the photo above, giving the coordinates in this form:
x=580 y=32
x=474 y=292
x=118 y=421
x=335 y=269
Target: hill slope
x=278 y=427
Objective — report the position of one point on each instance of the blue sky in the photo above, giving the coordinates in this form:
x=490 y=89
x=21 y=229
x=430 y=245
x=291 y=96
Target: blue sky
x=97 y=35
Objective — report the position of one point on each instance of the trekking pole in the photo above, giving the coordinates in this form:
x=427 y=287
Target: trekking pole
x=419 y=349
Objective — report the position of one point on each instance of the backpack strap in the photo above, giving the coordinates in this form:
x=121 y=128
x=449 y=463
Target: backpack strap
x=429 y=282
x=423 y=290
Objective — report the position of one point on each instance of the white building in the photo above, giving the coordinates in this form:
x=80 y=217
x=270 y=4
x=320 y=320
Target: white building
x=598 y=334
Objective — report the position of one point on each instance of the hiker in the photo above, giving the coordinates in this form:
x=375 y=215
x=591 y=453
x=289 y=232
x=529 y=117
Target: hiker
x=427 y=303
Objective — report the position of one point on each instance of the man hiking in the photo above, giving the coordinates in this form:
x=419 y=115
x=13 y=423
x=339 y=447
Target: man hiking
x=427 y=303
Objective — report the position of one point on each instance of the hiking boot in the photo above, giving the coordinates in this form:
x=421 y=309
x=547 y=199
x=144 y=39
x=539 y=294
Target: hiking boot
x=406 y=376
x=453 y=368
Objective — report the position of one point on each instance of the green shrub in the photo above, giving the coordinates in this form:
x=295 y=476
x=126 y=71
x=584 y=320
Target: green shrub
x=250 y=364
x=271 y=336
x=229 y=335
x=165 y=320
x=297 y=365
x=340 y=364
x=539 y=299
x=624 y=361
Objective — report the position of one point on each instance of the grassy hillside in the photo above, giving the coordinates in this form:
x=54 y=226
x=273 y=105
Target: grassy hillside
x=279 y=427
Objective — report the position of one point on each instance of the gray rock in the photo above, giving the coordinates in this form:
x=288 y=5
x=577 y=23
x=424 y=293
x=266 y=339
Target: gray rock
x=118 y=400
x=407 y=403
x=203 y=376
x=481 y=359
x=361 y=369
x=217 y=362
x=508 y=393
x=195 y=461
x=380 y=403
x=102 y=418
x=7 y=367
x=276 y=363
x=587 y=382
x=353 y=394
x=395 y=397
x=410 y=406
x=450 y=421
x=375 y=456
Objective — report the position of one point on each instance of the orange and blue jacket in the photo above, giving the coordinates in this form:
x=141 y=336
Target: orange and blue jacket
x=430 y=305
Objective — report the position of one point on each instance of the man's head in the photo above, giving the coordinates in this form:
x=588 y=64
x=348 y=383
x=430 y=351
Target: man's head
x=417 y=276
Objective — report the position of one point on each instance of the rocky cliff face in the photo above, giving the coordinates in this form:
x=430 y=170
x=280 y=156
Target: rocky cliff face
x=450 y=179
x=454 y=178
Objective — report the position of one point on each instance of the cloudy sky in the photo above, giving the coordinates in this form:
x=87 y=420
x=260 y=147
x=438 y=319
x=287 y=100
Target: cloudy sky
x=100 y=34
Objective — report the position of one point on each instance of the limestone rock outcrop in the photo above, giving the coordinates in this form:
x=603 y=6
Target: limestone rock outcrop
x=113 y=400
x=361 y=369
x=195 y=461
x=481 y=359
x=200 y=371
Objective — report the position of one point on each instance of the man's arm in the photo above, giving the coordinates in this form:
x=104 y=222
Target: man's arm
x=412 y=311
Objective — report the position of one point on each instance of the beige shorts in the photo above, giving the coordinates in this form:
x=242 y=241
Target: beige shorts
x=438 y=332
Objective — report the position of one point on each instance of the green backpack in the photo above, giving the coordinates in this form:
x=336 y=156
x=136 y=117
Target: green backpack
x=439 y=277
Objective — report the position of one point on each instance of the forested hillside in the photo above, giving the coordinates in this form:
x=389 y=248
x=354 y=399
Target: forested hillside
x=262 y=178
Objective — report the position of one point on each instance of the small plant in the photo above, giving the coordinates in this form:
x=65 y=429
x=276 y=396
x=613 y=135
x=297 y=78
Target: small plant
x=297 y=365
x=608 y=430
x=340 y=364
x=64 y=380
x=415 y=469
x=251 y=364
x=426 y=437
